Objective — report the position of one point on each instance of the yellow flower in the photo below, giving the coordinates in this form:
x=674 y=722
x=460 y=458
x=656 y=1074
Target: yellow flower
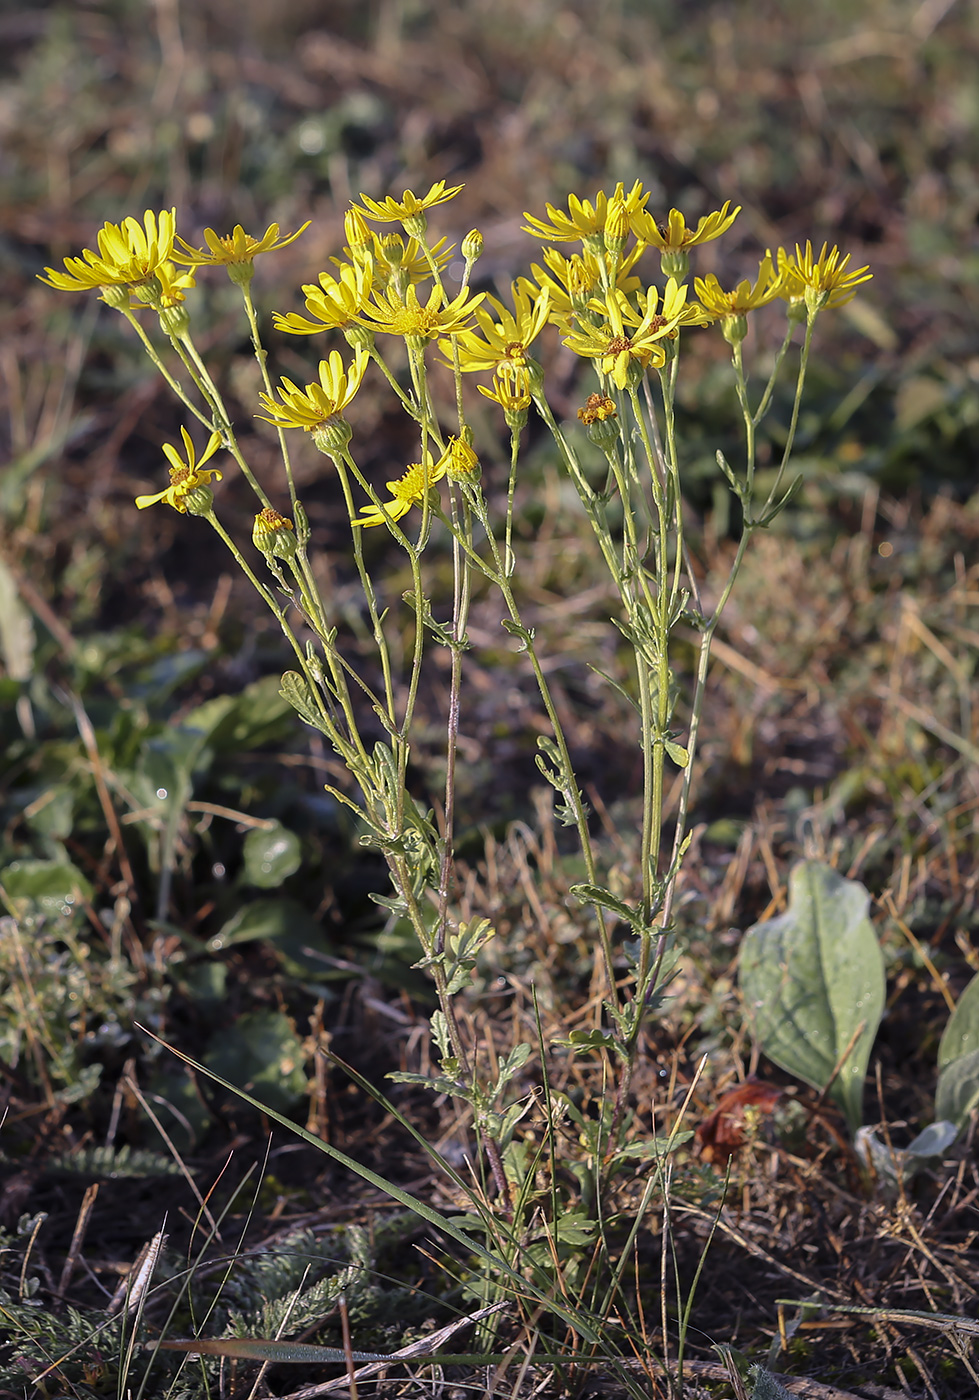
x=820 y=282
x=627 y=341
x=745 y=297
x=129 y=253
x=234 y=248
x=511 y=388
x=409 y=490
x=406 y=316
x=675 y=236
x=173 y=284
x=335 y=304
x=584 y=219
x=504 y=340
x=577 y=277
x=185 y=476
x=410 y=206
x=315 y=406
x=460 y=461
x=404 y=264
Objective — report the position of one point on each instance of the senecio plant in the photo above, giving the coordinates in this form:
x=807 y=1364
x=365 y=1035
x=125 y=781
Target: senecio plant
x=591 y=285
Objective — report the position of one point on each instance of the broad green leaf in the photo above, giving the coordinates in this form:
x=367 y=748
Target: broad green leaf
x=958 y=1060
x=235 y=722
x=961 y=1034
x=263 y=1051
x=958 y=1089
x=286 y=925
x=53 y=886
x=813 y=984
x=271 y=856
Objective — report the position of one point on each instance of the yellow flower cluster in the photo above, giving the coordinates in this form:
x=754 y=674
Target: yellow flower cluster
x=603 y=309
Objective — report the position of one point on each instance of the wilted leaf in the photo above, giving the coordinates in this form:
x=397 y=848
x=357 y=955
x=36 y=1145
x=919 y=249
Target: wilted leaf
x=722 y=1132
x=813 y=983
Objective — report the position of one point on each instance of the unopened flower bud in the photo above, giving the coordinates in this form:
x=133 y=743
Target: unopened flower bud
x=356 y=230
x=616 y=225
x=472 y=245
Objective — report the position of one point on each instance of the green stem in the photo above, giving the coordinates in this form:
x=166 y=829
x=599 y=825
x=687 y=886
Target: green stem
x=261 y=356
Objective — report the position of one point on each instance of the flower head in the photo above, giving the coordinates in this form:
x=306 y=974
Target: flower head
x=274 y=534
x=406 y=316
x=312 y=408
x=675 y=236
x=398 y=264
x=233 y=248
x=129 y=253
x=627 y=341
x=821 y=281
x=584 y=219
x=744 y=297
x=186 y=476
x=513 y=391
x=173 y=284
x=460 y=461
x=410 y=210
x=674 y=239
x=409 y=490
x=506 y=335
x=336 y=304
x=575 y=279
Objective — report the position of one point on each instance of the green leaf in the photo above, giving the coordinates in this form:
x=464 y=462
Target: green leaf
x=961 y=1035
x=958 y=1060
x=53 y=886
x=583 y=1041
x=595 y=894
x=264 y=1053
x=259 y=714
x=271 y=856
x=958 y=1089
x=813 y=984
x=298 y=692
x=678 y=753
x=291 y=930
